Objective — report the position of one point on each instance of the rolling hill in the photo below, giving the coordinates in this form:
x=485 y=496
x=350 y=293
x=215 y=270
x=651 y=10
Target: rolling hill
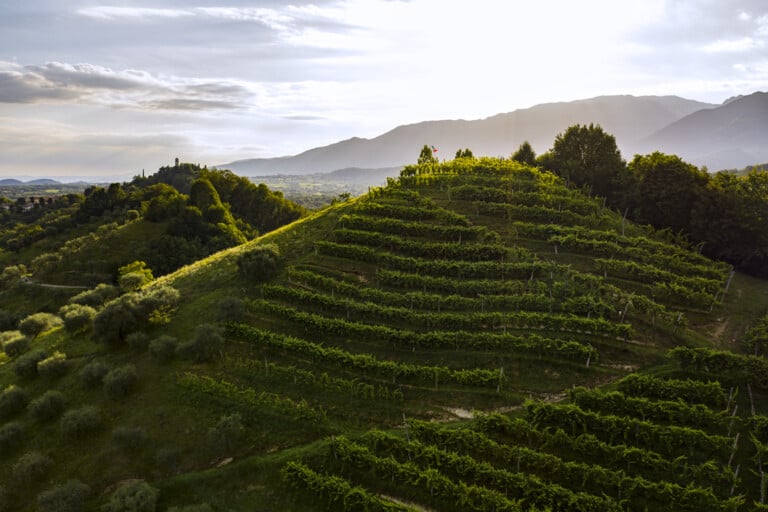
x=475 y=336
x=628 y=118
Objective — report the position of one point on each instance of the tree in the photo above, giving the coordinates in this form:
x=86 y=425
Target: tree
x=38 y=323
x=133 y=276
x=260 y=263
x=669 y=191
x=587 y=157
x=427 y=155
x=525 y=154
x=467 y=153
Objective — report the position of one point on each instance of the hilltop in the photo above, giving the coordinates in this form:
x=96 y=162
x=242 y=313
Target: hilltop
x=420 y=343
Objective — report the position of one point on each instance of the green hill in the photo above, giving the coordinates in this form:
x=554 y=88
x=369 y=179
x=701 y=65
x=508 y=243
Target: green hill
x=473 y=336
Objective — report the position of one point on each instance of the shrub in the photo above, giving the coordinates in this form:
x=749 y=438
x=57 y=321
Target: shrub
x=168 y=458
x=13 y=400
x=226 y=435
x=77 y=317
x=38 y=323
x=138 y=341
x=31 y=466
x=97 y=296
x=132 y=312
x=130 y=439
x=93 y=373
x=77 y=423
x=203 y=507
x=260 y=263
x=120 y=382
x=10 y=437
x=231 y=309
x=48 y=406
x=16 y=346
x=67 y=497
x=163 y=348
x=53 y=366
x=14 y=343
x=204 y=345
x=26 y=365
x=133 y=276
x=135 y=497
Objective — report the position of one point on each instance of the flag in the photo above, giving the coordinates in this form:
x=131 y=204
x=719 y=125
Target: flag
x=434 y=149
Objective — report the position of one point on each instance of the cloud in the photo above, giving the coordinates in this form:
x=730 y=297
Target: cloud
x=303 y=118
x=87 y=83
x=743 y=44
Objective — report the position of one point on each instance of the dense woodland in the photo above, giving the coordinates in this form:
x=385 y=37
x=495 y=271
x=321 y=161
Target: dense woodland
x=478 y=334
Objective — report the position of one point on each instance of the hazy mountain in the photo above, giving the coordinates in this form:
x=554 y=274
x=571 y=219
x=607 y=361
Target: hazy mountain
x=629 y=118
x=732 y=135
x=10 y=182
x=43 y=181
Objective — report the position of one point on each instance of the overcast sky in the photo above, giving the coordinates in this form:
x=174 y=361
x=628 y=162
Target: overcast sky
x=109 y=89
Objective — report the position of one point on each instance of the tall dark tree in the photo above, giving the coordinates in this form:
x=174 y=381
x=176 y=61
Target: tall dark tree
x=427 y=155
x=671 y=192
x=587 y=157
x=525 y=154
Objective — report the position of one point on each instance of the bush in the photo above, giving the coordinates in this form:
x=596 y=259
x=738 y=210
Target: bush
x=163 y=348
x=14 y=343
x=204 y=345
x=10 y=437
x=67 y=497
x=168 y=458
x=93 y=373
x=226 y=435
x=203 y=507
x=135 y=497
x=53 y=366
x=130 y=439
x=77 y=317
x=231 y=309
x=31 y=466
x=260 y=263
x=48 y=406
x=138 y=341
x=26 y=365
x=12 y=401
x=38 y=323
x=120 y=382
x=96 y=297
x=133 y=276
x=77 y=423
x=134 y=311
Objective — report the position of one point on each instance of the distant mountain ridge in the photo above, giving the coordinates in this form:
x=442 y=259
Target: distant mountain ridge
x=629 y=118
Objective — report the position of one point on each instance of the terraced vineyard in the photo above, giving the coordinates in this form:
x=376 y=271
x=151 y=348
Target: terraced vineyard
x=473 y=336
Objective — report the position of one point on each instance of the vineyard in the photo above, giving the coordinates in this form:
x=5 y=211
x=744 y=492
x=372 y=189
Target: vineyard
x=493 y=287
x=476 y=335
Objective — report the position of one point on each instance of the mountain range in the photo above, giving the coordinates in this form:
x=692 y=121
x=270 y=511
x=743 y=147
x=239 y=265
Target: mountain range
x=730 y=135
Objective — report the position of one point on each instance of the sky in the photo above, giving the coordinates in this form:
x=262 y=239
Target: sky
x=100 y=90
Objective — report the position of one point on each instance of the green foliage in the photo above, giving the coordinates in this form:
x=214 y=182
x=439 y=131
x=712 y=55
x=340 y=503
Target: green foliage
x=204 y=346
x=133 y=276
x=138 y=341
x=53 y=366
x=37 y=323
x=586 y=156
x=11 y=435
x=25 y=365
x=466 y=153
x=226 y=435
x=134 y=497
x=121 y=382
x=231 y=309
x=77 y=317
x=14 y=343
x=130 y=439
x=260 y=263
x=48 y=406
x=525 y=154
x=132 y=312
x=163 y=348
x=67 y=497
x=93 y=373
x=203 y=507
x=13 y=400
x=426 y=156
x=32 y=466
x=80 y=422
x=96 y=297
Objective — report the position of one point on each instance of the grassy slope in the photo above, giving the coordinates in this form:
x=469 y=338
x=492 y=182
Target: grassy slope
x=176 y=457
